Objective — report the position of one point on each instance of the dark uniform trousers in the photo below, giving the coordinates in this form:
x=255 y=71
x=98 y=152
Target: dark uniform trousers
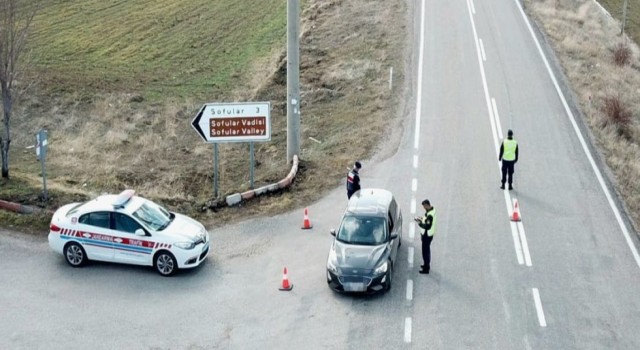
x=507 y=169
x=426 y=250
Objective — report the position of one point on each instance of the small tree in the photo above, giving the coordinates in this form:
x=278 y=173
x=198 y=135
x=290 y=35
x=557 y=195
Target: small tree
x=15 y=19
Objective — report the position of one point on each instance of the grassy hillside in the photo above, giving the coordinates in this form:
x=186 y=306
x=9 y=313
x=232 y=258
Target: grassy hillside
x=158 y=48
x=117 y=83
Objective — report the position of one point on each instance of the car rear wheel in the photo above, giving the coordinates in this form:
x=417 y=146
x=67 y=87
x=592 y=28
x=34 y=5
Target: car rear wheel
x=165 y=263
x=75 y=254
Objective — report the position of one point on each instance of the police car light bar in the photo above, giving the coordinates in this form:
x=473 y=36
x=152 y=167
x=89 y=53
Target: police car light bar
x=123 y=198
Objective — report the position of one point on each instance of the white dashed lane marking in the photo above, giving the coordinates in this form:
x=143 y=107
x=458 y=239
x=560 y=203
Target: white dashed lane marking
x=407 y=330
x=410 y=257
x=536 y=300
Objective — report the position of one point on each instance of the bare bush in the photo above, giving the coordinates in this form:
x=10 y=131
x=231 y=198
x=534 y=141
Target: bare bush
x=617 y=114
x=621 y=55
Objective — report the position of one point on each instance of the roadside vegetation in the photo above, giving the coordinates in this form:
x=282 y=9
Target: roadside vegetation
x=603 y=69
x=117 y=83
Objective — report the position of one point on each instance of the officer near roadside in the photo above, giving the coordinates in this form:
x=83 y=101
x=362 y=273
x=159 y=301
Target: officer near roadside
x=353 y=179
x=428 y=223
x=509 y=157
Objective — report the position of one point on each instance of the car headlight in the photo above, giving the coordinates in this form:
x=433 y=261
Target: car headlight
x=331 y=262
x=185 y=245
x=381 y=269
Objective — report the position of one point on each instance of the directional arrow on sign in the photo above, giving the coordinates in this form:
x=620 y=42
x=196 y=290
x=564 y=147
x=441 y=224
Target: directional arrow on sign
x=196 y=123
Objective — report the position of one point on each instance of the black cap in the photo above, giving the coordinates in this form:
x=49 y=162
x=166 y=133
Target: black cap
x=358 y=165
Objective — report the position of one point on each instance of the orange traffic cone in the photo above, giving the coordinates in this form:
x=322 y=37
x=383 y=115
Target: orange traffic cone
x=516 y=212
x=306 y=224
x=285 y=282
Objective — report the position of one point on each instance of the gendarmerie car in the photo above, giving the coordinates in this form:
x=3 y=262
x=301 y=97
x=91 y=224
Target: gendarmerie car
x=364 y=251
x=128 y=229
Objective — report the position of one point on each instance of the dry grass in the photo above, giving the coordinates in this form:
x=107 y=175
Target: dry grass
x=117 y=136
x=585 y=39
x=621 y=55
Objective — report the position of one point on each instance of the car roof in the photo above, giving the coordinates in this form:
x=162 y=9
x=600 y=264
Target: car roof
x=105 y=203
x=370 y=201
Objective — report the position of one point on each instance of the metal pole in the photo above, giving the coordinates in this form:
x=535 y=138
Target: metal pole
x=44 y=178
x=624 y=16
x=251 y=165
x=293 y=79
x=215 y=170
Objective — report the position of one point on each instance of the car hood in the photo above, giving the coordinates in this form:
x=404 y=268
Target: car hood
x=184 y=227
x=359 y=256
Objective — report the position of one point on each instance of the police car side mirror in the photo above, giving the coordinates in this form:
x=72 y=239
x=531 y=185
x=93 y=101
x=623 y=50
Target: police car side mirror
x=140 y=232
x=394 y=236
x=333 y=232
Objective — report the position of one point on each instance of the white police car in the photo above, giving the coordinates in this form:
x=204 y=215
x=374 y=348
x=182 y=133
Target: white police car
x=128 y=229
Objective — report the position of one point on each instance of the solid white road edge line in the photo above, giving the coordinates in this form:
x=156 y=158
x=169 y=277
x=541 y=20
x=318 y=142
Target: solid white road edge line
x=615 y=210
x=484 y=80
x=484 y=56
x=410 y=257
x=407 y=330
x=473 y=7
x=525 y=245
x=409 y=289
x=416 y=138
x=516 y=242
x=536 y=300
x=496 y=130
x=497 y=117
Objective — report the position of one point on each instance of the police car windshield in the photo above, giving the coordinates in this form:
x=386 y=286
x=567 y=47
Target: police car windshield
x=153 y=216
x=362 y=230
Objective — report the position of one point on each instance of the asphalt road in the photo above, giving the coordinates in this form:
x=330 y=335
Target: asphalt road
x=564 y=278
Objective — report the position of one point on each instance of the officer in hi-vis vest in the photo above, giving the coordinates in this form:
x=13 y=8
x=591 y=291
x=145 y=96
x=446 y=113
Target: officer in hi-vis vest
x=428 y=223
x=509 y=157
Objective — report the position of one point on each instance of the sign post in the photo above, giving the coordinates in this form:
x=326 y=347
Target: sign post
x=233 y=122
x=41 y=154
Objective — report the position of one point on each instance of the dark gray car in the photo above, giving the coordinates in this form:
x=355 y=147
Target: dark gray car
x=364 y=251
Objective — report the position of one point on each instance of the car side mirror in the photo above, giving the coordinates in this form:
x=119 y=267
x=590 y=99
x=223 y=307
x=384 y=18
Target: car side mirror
x=394 y=236
x=333 y=232
x=140 y=232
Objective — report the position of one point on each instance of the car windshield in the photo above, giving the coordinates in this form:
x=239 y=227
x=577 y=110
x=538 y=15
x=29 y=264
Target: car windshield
x=362 y=230
x=153 y=216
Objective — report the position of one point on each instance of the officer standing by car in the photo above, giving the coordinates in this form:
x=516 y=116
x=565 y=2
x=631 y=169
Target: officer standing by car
x=428 y=223
x=509 y=157
x=353 y=180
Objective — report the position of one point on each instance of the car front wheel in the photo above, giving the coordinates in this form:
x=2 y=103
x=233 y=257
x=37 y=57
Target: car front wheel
x=166 y=264
x=75 y=254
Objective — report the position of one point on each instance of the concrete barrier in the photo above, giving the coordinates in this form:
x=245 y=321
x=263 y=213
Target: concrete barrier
x=236 y=198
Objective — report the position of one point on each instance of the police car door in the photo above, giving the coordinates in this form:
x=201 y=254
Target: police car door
x=96 y=236
x=130 y=248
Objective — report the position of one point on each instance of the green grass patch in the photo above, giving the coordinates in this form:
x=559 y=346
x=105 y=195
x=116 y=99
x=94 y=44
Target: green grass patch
x=25 y=190
x=615 y=8
x=159 y=48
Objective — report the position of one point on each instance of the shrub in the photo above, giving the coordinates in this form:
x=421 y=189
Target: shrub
x=617 y=114
x=621 y=55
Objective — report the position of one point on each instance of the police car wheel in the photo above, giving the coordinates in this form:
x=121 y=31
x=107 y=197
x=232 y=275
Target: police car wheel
x=75 y=254
x=166 y=264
